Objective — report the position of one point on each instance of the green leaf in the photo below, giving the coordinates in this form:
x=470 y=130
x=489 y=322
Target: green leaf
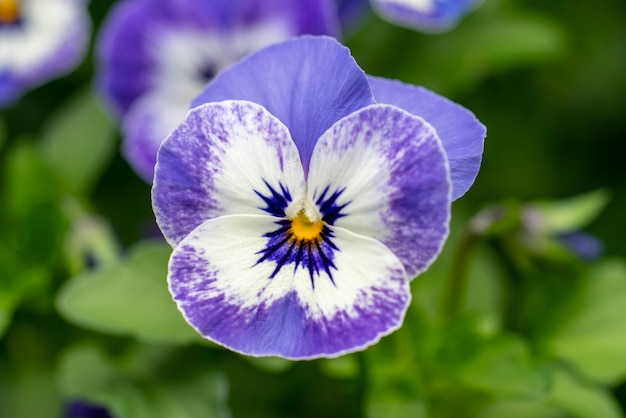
x=588 y=328
x=395 y=409
x=582 y=400
x=153 y=382
x=570 y=214
x=519 y=409
x=79 y=142
x=501 y=365
x=6 y=314
x=394 y=374
x=128 y=299
x=270 y=364
x=344 y=367
x=3 y=133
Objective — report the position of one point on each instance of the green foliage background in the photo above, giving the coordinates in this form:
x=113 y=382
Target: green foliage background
x=507 y=323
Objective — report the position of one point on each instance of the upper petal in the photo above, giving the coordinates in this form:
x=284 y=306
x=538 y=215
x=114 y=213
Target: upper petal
x=308 y=83
x=231 y=298
x=461 y=134
x=382 y=172
x=424 y=15
x=225 y=158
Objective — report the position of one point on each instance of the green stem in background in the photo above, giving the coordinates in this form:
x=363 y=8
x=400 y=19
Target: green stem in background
x=480 y=225
x=459 y=271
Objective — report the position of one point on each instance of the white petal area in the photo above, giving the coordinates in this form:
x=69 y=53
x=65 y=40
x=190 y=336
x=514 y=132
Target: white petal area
x=423 y=6
x=47 y=24
x=232 y=299
x=188 y=58
x=225 y=158
x=382 y=173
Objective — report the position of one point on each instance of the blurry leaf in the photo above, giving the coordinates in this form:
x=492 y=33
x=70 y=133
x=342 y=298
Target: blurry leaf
x=582 y=400
x=79 y=142
x=129 y=298
x=520 y=409
x=3 y=133
x=31 y=205
x=396 y=409
x=394 y=375
x=588 y=328
x=28 y=393
x=270 y=364
x=154 y=390
x=6 y=314
x=500 y=365
x=504 y=368
x=482 y=46
x=572 y=213
x=343 y=367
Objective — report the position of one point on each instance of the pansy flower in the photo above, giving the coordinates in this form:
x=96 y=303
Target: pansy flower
x=39 y=40
x=155 y=56
x=424 y=15
x=301 y=197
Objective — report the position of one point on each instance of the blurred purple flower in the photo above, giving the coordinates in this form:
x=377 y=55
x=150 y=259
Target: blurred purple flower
x=155 y=56
x=81 y=409
x=424 y=15
x=583 y=245
x=39 y=40
x=302 y=196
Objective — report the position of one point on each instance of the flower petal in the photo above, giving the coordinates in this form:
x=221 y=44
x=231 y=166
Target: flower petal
x=388 y=177
x=221 y=160
x=461 y=134
x=229 y=297
x=308 y=83
x=149 y=122
x=51 y=41
x=424 y=15
x=145 y=44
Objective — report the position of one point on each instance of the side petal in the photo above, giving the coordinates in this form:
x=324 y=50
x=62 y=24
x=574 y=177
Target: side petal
x=225 y=158
x=308 y=83
x=230 y=298
x=461 y=134
x=424 y=15
x=382 y=173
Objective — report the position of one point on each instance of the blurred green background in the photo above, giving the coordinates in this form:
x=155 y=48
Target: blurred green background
x=498 y=327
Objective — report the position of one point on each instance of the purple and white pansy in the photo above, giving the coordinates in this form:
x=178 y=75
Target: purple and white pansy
x=301 y=197
x=155 y=56
x=39 y=40
x=424 y=15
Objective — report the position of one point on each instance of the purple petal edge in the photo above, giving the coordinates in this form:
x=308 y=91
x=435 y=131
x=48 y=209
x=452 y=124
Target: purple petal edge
x=461 y=134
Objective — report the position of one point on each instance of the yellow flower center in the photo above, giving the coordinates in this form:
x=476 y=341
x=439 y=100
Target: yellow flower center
x=303 y=229
x=9 y=11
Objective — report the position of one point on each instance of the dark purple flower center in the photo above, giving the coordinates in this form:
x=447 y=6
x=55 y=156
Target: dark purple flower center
x=298 y=240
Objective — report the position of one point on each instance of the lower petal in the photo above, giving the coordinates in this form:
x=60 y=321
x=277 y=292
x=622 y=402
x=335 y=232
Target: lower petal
x=228 y=296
